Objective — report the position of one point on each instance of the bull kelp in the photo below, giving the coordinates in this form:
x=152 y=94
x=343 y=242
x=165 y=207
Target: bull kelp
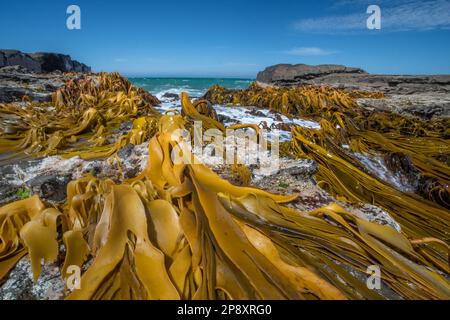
x=423 y=144
x=323 y=102
x=180 y=231
x=81 y=119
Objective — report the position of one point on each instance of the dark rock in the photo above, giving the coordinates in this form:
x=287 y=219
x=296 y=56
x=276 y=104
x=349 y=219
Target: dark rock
x=264 y=126
x=172 y=96
x=288 y=73
x=51 y=188
x=256 y=112
x=15 y=57
x=54 y=61
x=224 y=119
x=8 y=193
x=306 y=168
x=281 y=126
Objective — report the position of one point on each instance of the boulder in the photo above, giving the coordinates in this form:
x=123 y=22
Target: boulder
x=171 y=96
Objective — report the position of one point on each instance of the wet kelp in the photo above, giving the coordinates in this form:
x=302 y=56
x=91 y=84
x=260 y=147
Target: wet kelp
x=424 y=143
x=289 y=101
x=179 y=231
x=80 y=120
x=410 y=146
x=323 y=103
x=343 y=175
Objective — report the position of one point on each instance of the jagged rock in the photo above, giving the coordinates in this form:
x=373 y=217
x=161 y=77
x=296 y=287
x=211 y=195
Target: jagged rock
x=425 y=105
x=54 y=61
x=304 y=167
x=41 y=62
x=15 y=57
x=13 y=69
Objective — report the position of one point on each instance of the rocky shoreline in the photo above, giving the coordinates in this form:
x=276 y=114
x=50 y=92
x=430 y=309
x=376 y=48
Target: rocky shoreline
x=47 y=177
x=424 y=96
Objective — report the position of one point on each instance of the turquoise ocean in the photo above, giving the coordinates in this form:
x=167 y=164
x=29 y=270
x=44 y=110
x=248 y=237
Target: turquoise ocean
x=195 y=87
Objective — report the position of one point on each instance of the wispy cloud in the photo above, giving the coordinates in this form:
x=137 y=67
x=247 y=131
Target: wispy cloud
x=396 y=15
x=120 y=60
x=309 y=51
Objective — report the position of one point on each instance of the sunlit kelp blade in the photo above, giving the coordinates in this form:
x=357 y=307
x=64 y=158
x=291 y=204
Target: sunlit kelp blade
x=343 y=175
x=81 y=119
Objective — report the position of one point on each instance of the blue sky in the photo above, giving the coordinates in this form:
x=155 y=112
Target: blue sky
x=234 y=38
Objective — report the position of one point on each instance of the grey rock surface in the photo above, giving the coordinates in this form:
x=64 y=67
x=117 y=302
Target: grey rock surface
x=424 y=105
x=17 y=81
x=20 y=284
x=41 y=61
x=289 y=74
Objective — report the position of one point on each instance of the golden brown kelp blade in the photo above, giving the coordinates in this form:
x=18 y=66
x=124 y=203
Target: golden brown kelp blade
x=83 y=115
x=368 y=131
x=343 y=175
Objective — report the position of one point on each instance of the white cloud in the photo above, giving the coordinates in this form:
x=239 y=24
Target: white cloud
x=398 y=15
x=309 y=51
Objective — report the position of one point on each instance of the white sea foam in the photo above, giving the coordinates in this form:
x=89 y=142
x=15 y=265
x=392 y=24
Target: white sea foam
x=239 y=114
